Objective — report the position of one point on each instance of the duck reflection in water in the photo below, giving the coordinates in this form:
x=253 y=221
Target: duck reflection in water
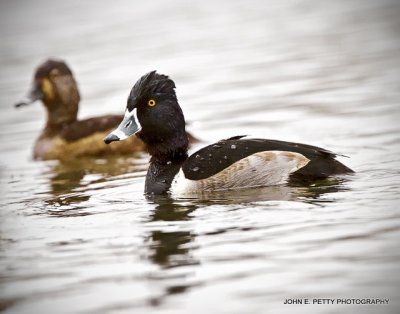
x=292 y=192
x=69 y=182
x=171 y=249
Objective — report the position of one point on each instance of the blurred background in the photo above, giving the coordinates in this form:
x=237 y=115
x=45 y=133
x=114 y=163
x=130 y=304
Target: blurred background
x=80 y=237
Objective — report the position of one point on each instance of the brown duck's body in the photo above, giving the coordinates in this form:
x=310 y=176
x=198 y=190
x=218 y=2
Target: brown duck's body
x=82 y=138
x=64 y=136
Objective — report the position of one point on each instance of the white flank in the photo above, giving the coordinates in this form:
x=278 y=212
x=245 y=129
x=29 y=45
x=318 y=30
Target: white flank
x=260 y=169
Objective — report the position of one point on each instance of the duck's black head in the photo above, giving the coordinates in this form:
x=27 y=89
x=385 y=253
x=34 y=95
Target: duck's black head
x=54 y=84
x=154 y=115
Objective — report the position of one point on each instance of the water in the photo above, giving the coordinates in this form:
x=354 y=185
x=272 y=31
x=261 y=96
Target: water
x=82 y=238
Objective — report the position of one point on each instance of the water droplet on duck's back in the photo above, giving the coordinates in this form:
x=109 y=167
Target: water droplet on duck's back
x=233 y=146
x=195 y=169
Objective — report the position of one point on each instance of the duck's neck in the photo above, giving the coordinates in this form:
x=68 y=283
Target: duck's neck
x=165 y=163
x=60 y=115
x=63 y=107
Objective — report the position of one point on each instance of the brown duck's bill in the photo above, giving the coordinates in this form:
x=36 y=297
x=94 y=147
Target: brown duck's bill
x=34 y=94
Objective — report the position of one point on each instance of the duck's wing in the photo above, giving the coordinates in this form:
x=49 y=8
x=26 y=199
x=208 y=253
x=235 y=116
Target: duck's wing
x=83 y=128
x=214 y=158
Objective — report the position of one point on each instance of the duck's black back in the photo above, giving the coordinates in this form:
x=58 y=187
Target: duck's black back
x=214 y=158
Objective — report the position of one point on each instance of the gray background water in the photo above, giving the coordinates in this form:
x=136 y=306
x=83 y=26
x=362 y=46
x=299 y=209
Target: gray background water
x=81 y=237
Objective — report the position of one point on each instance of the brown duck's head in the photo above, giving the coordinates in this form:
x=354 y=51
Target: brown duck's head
x=54 y=84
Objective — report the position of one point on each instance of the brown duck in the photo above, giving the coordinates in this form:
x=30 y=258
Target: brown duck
x=64 y=136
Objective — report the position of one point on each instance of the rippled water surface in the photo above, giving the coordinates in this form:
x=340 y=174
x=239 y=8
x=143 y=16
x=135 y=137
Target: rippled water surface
x=80 y=237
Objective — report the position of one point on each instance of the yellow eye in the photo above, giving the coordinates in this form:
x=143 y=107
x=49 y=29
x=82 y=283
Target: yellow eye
x=151 y=102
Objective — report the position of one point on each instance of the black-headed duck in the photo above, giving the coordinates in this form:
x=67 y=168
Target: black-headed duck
x=154 y=115
x=64 y=136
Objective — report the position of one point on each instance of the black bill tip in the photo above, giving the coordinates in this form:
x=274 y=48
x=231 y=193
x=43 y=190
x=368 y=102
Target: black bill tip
x=111 y=138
